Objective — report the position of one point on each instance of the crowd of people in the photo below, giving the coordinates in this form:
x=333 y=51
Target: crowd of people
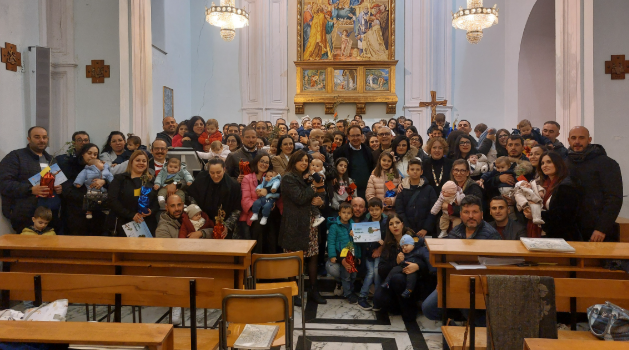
x=300 y=186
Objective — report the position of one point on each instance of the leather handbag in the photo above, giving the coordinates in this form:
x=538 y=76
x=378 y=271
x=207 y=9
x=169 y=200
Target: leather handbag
x=609 y=322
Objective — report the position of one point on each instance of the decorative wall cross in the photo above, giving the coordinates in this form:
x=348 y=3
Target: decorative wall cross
x=98 y=71
x=617 y=67
x=11 y=57
x=433 y=104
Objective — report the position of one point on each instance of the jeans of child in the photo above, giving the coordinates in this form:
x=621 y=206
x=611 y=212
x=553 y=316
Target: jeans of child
x=266 y=204
x=371 y=277
x=411 y=278
x=338 y=271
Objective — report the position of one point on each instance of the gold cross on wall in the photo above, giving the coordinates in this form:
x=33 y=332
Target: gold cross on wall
x=433 y=104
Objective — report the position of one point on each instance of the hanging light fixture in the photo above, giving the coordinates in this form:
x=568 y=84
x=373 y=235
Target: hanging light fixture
x=474 y=19
x=227 y=17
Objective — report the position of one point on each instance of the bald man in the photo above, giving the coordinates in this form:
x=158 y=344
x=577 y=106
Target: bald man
x=601 y=180
x=170 y=221
x=358 y=209
x=169 y=126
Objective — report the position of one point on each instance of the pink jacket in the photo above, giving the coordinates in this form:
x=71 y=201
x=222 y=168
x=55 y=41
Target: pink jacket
x=248 y=189
x=376 y=187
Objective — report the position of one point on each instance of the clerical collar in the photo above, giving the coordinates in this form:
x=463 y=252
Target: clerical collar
x=250 y=150
x=356 y=149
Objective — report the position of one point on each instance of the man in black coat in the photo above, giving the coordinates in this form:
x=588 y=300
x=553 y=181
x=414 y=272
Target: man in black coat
x=360 y=159
x=19 y=197
x=507 y=228
x=601 y=181
x=169 y=126
x=246 y=153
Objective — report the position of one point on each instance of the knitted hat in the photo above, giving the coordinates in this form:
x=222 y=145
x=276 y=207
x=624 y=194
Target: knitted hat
x=193 y=210
x=304 y=119
x=406 y=239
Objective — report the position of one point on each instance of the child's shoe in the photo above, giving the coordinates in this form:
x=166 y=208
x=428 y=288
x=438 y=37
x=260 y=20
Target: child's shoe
x=318 y=221
x=88 y=215
x=162 y=201
x=443 y=234
x=407 y=294
x=362 y=302
x=338 y=290
x=352 y=299
x=254 y=217
x=263 y=221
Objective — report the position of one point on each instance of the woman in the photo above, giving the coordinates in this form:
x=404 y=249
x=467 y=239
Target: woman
x=561 y=201
x=282 y=129
x=390 y=299
x=384 y=172
x=296 y=231
x=463 y=147
x=418 y=142
x=196 y=127
x=339 y=139
x=410 y=131
x=114 y=152
x=233 y=141
x=265 y=235
x=124 y=193
x=461 y=176
x=437 y=168
x=502 y=136
x=182 y=129
x=285 y=148
x=72 y=199
x=374 y=144
x=402 y=153
x=451 y=140
x=535 y=156
x=392 y=124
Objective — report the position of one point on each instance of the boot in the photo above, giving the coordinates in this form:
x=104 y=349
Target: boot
x=314 y=296
x=536 y=211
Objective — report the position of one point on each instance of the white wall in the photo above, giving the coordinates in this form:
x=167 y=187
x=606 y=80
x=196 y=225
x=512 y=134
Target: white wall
x=173 y=69
x=610 y=96
x=96 y=37
x=19 y=26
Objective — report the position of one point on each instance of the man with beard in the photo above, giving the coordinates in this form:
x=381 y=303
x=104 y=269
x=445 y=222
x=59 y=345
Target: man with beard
x=246 y=153
x=169 y=126
x=170 y=221
x=551 y=132
x=601 y=181
x=472 y=224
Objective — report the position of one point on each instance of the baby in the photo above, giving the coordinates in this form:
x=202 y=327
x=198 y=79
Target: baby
x=346 y=43
x=217 y=150
x=194 y=220
x=451 y=193
x=195 y=216
x=210 y=134
x=271 y=184
x=133 y=143
x=317 y=174
x=478 y=165
x=313 y=146
x=502 y=166
x=412 y=254
x=530 y=195
x=94 y=170
x=175 y=173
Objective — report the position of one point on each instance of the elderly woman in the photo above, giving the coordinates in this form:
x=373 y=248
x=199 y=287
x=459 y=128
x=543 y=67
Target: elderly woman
x=437 y=167
x=124 y=193
x=296 y=230
x=461 y=176
x=196 y=127
x=285 y=148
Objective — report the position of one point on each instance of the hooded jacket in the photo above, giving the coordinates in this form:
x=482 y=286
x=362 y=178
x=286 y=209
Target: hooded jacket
x=413 y=205
x=338 y=238
x=164 y=178
x=91 y=172
x=273 y=184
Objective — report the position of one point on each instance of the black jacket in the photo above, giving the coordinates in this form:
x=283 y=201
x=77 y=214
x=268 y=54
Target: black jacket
x=562 y=216
x=167 y=138
x=513 y=231
x=232 y=163
x=414 y=205
x=601 y=182
x=345 y=152
x=295 y=226
x=446 y=169
x=194 y=141
x=123 y=202
x=18 y=202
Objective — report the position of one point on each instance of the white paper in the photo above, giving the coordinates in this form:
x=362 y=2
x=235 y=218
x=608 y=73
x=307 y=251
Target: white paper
x=60 y=177
x=366 y=232
x=255 y=336
x=492 y=261
x=468 y=266
x=133 y=229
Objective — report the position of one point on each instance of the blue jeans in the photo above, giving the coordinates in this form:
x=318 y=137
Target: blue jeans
x=433 y=312
x=371 y=277
x=339 y=273
x=266 y=204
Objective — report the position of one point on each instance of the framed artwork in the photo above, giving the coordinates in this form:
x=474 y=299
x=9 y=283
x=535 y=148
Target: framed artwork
x=377 y=80
x=169 y=102
x=314 y=80
x=345 y=80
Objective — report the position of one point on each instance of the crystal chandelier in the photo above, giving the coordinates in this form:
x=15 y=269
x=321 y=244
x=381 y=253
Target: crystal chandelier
x=227 y=17
x=474 y=19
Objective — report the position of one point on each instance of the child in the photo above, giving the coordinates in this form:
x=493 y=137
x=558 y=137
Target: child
x=412 y=254
x=384 y=173
x=95 y=169
x=529 y=132
x=182 y=129
x=440 y=123
x=478 y=164
x=338 y=238
x=210 y=134
x=342 y=187
x=175 y=173
x=193 y=220
x=273 y=148
x=502 y=166
x=41 y=219
x=368 y=250
x=346 y=43
x=450 y=194
x=313 y=146
x=133 y=143
x=271 y=184
x=317 y=174
x=530 y=195
x=217 y=150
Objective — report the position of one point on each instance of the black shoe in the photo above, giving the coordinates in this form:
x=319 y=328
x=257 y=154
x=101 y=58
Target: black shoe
x=314 y=296
x=352 y=299
x=385 y=285
x=407 y=294
x=297 y=301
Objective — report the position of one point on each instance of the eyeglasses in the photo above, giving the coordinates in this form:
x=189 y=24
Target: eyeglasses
x=384 y=134
x=159 y=148
x=503 y=136
x=459 y=171
x=465 y=143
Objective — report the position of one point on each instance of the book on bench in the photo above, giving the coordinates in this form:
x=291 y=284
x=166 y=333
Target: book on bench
x=547 y=245
x=256 y=336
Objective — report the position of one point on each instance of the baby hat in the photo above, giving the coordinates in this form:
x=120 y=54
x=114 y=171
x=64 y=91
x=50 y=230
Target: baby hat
x=193 y=210
x=303 y=119
x=406 y=239
x=449 y=186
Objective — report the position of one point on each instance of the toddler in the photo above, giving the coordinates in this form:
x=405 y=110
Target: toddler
x=133 y=143
x=441 y=124
x=412 y=254
x=95 y=169
x=339 y=236
x=217 y=150
x=530 y=195
x=529 y=132
x=478 y=164
x=451 y=193
x=194 y=220
x=317 y=174
x=210 y=134
x=502 y=166
x=271 y=184
x=175 y=174
x=313 y=146
x=41 y=219
x=368 y=250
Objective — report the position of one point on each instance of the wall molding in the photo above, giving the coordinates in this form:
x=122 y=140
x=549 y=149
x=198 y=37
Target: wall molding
x=588 y=65
x=141 y=68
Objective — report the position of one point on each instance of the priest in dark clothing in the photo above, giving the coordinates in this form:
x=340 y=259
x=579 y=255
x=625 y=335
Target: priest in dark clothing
x=213 y=190
x=360 y=159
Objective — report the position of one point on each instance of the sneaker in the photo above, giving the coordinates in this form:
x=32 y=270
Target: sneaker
x=338 y=290
x=254 y=217
x=88 y=215
x=385 y=285
x=407 y=294
x=443 y=234
x=161 y=200
x=297 y=301
x=352 y=299
x=176 y=316
x=362 y=302
x=263 y=221
x=375 y=308
x=318 y=221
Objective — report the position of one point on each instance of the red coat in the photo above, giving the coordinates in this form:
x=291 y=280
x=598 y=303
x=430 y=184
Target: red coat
x=177 y=141
x=187 y=227
x=206 y=140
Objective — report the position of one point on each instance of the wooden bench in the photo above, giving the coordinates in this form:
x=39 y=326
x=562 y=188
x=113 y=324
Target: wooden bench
x=467 y=293
x=563 y=344
x=624 y=229
x=126 y=290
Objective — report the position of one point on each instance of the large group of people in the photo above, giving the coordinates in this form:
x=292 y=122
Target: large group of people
x=299 y=186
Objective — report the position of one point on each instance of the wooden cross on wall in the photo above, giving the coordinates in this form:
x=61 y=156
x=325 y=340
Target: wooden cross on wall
x=617 y=67
x=11 y=57
x=433 y=104
x=98 y=71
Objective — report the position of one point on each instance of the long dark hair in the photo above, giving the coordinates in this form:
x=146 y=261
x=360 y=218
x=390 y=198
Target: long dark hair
x=378 y=171
x=389 y=240
x=457 y=150
x=296 y=157
x=84 y=150
x=345 y=176
x=396 y=124
x=561 y=170
x=107 y=148
x=451 y=140
x=278 y=151
x=396 y=142
x=343 y=136
x=237 y=137
x=500 y=149
x=254 y=163
x=193 y=121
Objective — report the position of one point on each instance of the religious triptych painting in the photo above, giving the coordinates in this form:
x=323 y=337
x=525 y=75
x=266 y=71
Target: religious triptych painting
x=377 y=80
x=345 y=80
x=314 y=80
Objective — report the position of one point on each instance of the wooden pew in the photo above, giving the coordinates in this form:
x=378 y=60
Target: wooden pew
x=563 y=344
x=565 y=288
x=624 y=229
x=126 y=290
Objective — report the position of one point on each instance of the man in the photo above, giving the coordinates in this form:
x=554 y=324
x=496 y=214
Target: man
x=319 y=135
x=294 y=125
x=358 y=117
x=169 y=124
x=551 y=132
x=360 y=159
x=408 y=123
x=507 y=228
x=232 y=129
x=601 y=180
x=515 y=146
x=359 y=210
x=79 y=138
x=280 y=121
x=262 y=130
x=247 y=152
x=375 y=127
x=19 y=197
x=212 y=190
x=170 y=221
x=384 y=137
x=466 y=127
x=341 y=125
x=317 y=123
x=354 y=122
